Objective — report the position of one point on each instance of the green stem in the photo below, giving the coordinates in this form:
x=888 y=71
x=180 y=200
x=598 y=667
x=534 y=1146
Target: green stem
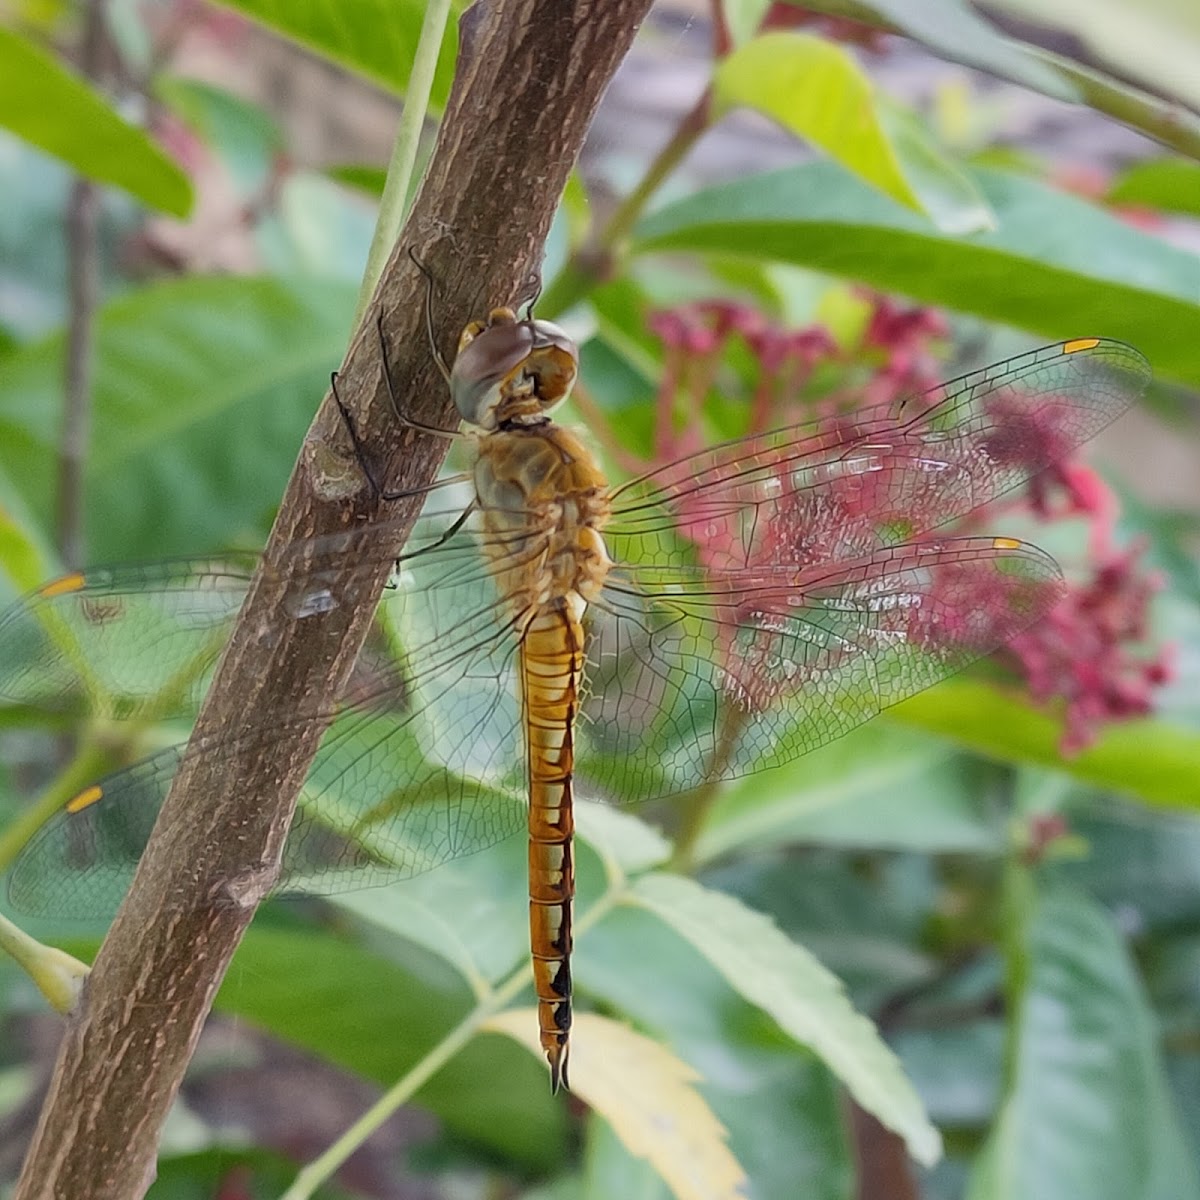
x=394 y=203
x=694 y=123
x=321 y=1169
x=58 y=976
x=593 y=263
x=1165 y=121
x=696 y=806
x=88 y=764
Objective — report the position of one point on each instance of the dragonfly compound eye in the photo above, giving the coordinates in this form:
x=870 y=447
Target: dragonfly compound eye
x=513 y=372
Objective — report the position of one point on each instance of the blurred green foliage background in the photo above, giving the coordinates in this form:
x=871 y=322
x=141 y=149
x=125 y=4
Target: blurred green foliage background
x=1022 y=926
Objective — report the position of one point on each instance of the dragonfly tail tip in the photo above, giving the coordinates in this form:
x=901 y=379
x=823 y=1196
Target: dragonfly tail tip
x=558 y=1069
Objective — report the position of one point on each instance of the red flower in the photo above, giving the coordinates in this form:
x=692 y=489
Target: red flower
x=1084 y=654
x=833 y=536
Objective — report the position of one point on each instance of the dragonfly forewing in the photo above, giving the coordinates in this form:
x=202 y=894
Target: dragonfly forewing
x=780 y=579
x=718 y=616
x=124 y=641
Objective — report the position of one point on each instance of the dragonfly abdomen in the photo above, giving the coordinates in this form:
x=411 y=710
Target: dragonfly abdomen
x=552 y=661
x=543 y=502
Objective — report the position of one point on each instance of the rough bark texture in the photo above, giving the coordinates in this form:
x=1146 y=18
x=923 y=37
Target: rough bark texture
x=529 y=77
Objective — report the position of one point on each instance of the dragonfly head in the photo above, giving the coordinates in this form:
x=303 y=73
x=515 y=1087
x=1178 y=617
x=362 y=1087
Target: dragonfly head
x=512 y=372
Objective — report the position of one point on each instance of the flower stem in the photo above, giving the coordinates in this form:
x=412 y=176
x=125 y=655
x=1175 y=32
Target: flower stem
x=594 y=262
x=394 y=202
x=321 y=1169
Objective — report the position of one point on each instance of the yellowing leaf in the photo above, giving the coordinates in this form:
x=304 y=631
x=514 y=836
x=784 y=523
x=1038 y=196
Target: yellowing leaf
x=817 y=91
x=647 y=1095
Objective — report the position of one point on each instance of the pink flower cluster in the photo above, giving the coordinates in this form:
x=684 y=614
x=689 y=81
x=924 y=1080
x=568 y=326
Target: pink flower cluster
x=845 y=523
x=1087 y=654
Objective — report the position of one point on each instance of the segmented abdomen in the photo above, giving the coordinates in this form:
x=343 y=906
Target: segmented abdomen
x=552 y=658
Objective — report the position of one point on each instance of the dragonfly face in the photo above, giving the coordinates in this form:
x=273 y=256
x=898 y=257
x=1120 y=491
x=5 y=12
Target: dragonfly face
x=727 y=613
x=510 y=371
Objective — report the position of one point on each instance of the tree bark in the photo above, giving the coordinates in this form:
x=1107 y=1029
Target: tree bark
x=530 y=74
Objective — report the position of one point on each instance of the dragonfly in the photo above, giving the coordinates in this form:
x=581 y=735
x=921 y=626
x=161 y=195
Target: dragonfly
x=546 y=633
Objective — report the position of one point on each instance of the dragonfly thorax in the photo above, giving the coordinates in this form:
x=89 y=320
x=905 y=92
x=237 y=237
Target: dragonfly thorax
x=510 y=373
x=543 y=502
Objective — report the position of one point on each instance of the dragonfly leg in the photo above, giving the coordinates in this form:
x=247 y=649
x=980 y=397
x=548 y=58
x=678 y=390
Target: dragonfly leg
x=450 y=531
x=438 y=357
x=361 y=455
x=535 y=278
x=434 y=430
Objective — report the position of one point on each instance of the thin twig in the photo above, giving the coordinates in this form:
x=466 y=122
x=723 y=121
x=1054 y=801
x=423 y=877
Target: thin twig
x=487 y=1005
x=593 y=262
x=83 y=271
x=394 y=201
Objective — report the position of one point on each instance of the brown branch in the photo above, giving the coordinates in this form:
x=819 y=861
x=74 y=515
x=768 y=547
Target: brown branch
x=882 y=1159
x=530 y=75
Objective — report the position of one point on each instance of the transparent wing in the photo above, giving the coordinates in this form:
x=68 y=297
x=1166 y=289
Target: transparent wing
x=424 y=763
x=775 y=592
x=881 y=476
x=739 y=673
x=141 y=640
x=768 y=596
x=122 y=641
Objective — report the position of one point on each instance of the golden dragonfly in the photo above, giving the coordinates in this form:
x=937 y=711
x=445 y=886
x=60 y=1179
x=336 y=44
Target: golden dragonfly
x=552 y=634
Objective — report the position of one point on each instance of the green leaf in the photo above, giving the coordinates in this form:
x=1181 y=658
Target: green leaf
x=245 y=137
x=456 y=912
x=1140 y=860
x=845 y=794
x=375 y=38
x=956 y=1065
x=766 y=1091
x=1159 y=117
x=1088 y=1112
x=32 y=247
x=949 y=197
x=743 y=18
x=360 y=176
x=621 y=839
x=226 y=1164
x=866 y=926
x=453 y=912
x=59 y=113
x=203 y=390
x=953 y=31
x=809 y=1003
x=1156 y=762
x=1055 y=265
x=610 y=1169
x=1155 y=42
x=1170 y=184
x=815 y=90
x=318 y=230
x=370 y=1016
x=26 y=558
